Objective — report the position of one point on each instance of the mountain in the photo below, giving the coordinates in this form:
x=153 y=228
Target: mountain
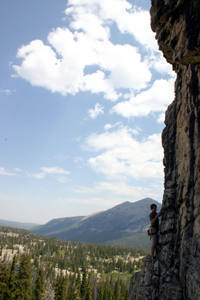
x=55 y=225
x=119 y=225
x=27 y=226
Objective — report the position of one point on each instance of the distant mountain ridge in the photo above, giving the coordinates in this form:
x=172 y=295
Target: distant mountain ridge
x=56 y=225
x=21 y=225
x=120 y=223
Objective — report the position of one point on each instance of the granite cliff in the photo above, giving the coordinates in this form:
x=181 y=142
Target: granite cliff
x=175 y=274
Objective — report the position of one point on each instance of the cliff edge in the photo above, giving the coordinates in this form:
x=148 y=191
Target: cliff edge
x=175 y=275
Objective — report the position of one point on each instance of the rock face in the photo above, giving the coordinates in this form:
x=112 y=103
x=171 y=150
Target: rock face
x=175 y=275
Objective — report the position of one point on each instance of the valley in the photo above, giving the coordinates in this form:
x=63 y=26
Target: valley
x=32 y=265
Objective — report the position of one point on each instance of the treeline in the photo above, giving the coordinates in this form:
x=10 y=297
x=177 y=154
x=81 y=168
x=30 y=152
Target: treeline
x=34 y=267
x=22 y=280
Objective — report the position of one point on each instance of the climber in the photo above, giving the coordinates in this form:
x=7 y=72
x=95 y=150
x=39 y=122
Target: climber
x=154 y=228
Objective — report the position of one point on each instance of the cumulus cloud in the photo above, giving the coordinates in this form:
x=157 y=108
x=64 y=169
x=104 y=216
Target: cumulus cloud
x=96 y=111
x=60 y=66
x=127 y=18
x=137 y=23
x=41 y=65
x=85 y=18
x=121 y=154
x=97 y=83
x=154 y=99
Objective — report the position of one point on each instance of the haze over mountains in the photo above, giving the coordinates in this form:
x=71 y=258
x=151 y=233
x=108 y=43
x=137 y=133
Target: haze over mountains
x=21 y=225
x=123 y=225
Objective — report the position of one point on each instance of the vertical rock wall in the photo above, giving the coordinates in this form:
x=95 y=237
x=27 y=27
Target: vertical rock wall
x=175 y=275
x=177 y=27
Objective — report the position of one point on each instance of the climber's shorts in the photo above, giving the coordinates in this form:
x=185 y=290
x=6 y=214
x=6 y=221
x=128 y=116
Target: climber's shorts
x=154 y=240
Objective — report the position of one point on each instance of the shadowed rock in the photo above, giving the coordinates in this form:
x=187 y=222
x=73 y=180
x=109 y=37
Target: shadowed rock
x=176 y=273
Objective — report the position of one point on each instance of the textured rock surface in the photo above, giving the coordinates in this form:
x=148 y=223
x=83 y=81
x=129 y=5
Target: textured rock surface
x=175 y=275
x=177 y=26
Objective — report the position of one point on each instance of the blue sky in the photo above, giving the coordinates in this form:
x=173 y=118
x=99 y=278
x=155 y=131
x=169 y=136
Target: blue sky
x=83 y=93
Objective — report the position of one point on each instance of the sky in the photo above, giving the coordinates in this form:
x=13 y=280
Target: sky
x=83 y=93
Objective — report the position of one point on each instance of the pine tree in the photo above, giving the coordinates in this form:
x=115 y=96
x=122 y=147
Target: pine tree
x=106 y=292
x=111 y=289
x=117 y=289
x=12 y=283
x=94 y=286
x=38 y=293
x=4 y=279
x=88 y=295
x=49 y=291
x=74 y=290
x=84 y=284
x=101 y=291
x=60 y=288
x=23 y=291
x=77 y=287
x=124 y=291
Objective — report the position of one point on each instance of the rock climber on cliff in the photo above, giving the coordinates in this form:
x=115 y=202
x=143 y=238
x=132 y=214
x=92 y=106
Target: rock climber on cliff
x=154 y=227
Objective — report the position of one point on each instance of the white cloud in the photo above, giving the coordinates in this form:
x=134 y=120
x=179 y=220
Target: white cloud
x=5 y=172
x=121 y=189
x=37 y=175
x=93 y=202
x=50 y=171
x=154 y=99
x=41 y=65
x=60 y=65
x=40 y=175
x=111 y=126
x=138 y=23
x=97 y=83
x=157 y=62
x=6 y=92
x=161 y=118
x=63 y=179
x=123 y=155
x=18 y=170
x=119 y=125
x=54 y=170
x=96 y=111
x=161 y=66
x=128 y=19
x=127 y=71
x=86 y=20
x=133 y=192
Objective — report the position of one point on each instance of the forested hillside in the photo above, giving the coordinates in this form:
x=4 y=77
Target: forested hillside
x=32 y=267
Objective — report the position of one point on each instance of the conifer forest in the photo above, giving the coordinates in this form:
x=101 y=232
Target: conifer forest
x=33 y=267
